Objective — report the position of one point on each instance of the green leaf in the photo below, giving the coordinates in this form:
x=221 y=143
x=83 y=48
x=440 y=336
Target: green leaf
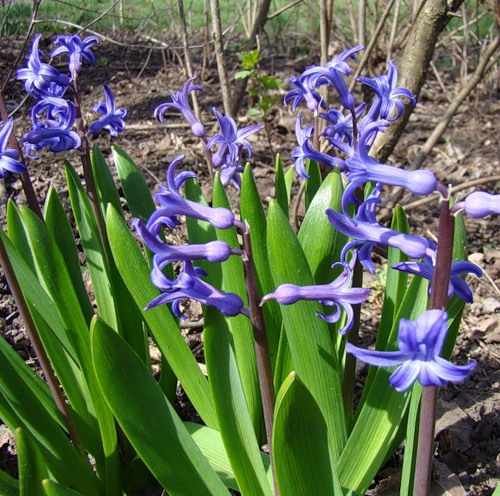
x=252 y=212
x=396 y=282
x=232 y=411
x=95 y=252
x=240 y=327
x=165 y=330
x=32 y=466
x=381 y=408
x=210 y=443
x=135 y=188
x=52 y=488
x=302 y=457
x=58 y=225
x=311 y=346
x=9 y=486
x=243 y=74
x=288 y=182
x=281 y=192
x=105 y=184
x=313 y=183
x=156 y=432
x=322 y=251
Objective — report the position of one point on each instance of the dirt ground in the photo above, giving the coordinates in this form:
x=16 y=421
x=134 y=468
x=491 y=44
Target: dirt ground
x=468 y=429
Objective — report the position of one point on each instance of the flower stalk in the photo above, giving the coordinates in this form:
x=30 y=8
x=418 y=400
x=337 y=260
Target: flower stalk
x=263 y=356
x=439 y=298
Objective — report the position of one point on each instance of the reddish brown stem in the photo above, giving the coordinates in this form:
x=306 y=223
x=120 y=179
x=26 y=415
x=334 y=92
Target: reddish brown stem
x=439 y=298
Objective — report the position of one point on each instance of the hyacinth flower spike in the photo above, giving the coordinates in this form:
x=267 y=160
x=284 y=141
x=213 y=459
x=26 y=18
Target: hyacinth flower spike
x=180 y=102
x=387 y=105
x=9 y=158
x=457 y=285
x=76 y=48
x=334 y=73
x=112 y=118
x=339 y=131
x=38 y=76
x=338 y=293
x=363 y=169
x=420 y=344
x=172 y=204
x=189 y=285
x=367 y=232
x=304 y=90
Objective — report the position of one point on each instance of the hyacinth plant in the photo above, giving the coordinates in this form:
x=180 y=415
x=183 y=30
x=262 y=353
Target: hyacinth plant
x=281 y=308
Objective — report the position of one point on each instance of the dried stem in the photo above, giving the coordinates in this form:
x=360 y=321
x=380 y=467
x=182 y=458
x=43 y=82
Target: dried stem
x=439 y=298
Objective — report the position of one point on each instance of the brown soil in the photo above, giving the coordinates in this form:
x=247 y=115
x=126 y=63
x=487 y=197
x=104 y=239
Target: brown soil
x=468 y=429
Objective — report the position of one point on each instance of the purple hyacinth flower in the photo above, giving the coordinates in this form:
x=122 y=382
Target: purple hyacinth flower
x=420 y=344
x=54 y=134
x=306 y=151
x=387 y=105
x=338 y=294
x=180 y=103
x=231 y=141
x=172 y=204
x=189 y=285
x=55 y=109
x=340 y=128
x=112 y=118
x=304 y=91
x=363 y=169
x=38 y=76
x=457 y=285
x=76 y=48
x=334 y=73
x=214 y=251
x=367 y=232
x=9 y=158
x=480 y=204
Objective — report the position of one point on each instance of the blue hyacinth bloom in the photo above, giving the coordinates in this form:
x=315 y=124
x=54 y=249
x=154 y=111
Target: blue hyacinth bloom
x=366 y=232
x=112 y=118
x=420 y=344
x=76 y=48
x=173 y=204
x=180 y=103
x=338 y=294
x=9 y=158
x=189 y=285
x=304 y=90
x=38 y=76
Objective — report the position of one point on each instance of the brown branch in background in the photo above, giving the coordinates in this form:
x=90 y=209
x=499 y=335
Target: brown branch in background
x=220 y=56
x=324 y=31
x=362 y=22
x=484 y=64
x=371 y=45
x=257 y=28
x=394 y=28
x=431 y=18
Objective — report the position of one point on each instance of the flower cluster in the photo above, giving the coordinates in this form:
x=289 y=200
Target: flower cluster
x=350 y=138
x=229 y=143
x=188 y=283
x=54 y=116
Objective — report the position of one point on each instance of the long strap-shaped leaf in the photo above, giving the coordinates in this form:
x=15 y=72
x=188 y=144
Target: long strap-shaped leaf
x=309 y=339
x=232 y=411
x=148 y=419
x=165 y=330
x=240 y=327
x=302 y=457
